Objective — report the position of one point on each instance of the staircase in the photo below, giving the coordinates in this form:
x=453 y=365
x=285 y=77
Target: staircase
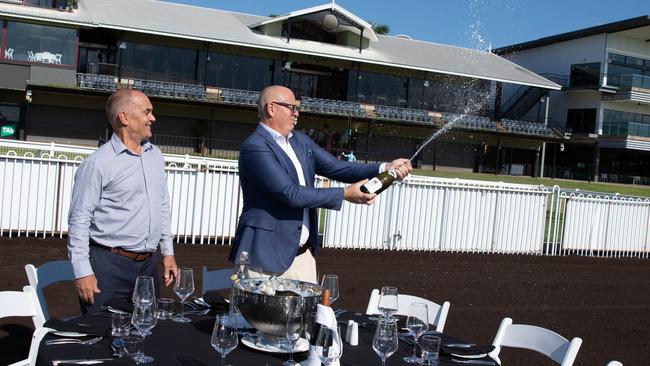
x=527 y=96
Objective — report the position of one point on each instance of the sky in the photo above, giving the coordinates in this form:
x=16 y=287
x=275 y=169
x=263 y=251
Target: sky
x=478 y=24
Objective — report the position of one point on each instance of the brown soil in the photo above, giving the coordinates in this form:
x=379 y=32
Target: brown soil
x=606 y=302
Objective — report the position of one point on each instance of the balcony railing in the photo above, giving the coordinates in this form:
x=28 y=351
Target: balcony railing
x=626 y=129
x=635 y=81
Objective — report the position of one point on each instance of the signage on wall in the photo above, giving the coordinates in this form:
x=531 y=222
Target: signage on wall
x=7 y=130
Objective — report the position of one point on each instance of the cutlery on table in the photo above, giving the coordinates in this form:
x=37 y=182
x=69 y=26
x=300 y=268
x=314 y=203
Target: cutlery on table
x=81 y=361
x=459 y=345
x=73 y=341
x=471 y=362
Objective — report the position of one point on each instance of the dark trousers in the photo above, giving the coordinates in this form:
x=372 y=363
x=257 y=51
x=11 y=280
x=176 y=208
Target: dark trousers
x=116 y=276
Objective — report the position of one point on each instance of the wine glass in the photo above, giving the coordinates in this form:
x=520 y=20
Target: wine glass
x=144 y=319
x=388 y=302
x=183 y=287
x=385 y=340
x=143 y=292
x=224 y=336
x=331 y=282
x=293 y=327
x=328 y=342
x=417 y=323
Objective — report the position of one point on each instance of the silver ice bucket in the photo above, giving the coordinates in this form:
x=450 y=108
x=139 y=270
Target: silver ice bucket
x=270 y=314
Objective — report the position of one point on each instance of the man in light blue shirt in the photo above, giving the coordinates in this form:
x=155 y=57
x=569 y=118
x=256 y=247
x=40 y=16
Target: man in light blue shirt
x=120 y=211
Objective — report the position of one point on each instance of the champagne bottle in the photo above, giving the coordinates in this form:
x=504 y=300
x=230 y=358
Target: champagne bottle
x=379 y=183
x=325 y=301
x=314 y=350
x=240 y=274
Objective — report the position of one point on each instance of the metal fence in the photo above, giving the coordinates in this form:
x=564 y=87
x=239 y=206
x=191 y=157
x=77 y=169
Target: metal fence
x=421 y=213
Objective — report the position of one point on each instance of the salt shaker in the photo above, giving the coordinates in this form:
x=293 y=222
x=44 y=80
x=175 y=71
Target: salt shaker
x=348 y=331
x=354 y=336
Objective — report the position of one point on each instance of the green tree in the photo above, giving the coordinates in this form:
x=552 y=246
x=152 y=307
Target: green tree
x=380 y=28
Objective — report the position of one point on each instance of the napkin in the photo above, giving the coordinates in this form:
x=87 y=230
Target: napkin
x=468 y=350
x=120 y=304
x=63 y=326
x=325 y=316
x=216 y=301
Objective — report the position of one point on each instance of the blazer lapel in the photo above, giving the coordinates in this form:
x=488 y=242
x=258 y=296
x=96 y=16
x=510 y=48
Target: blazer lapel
x=279 y=153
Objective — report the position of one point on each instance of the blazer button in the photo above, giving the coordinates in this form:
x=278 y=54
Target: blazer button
x=299 y=227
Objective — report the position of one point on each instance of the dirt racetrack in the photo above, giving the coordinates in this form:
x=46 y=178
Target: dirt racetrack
x=606 y=302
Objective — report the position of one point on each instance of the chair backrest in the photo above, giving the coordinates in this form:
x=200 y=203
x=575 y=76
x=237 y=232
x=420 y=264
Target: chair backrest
x=47 y=274
x=25 y=303
x=614 y=363
x=37 y=337
x=538 y=339
x=437 y=313
x=217 y=279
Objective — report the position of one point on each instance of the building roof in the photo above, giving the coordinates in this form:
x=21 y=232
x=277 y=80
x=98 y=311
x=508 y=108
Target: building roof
x=219 y=26
x=638 y=27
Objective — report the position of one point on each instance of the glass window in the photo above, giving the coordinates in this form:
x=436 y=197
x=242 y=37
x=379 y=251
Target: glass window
x=382 y=89
x=581 y=120
x=154 y=62
x=40 y=43
x=239 y=72
x=585 y=74
x=46 y=3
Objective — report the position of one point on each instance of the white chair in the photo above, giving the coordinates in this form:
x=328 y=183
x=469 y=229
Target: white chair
x=9 y=53
x=614 y=363
x=37 y=337
x=437 y=313
x=218 y=279
x=31 y=57
x=22 y=303
x=547 y=342
x=47 y=274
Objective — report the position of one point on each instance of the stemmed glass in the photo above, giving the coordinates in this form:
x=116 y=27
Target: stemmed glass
x=144 y=295
x=385 y=340
x=328 y=341
x=417 y=323
x=292 y=331
x=331 y=282
x=143 y=292
x=143 y=319
x=224 y=336
x=183 y=287
x=388 y=302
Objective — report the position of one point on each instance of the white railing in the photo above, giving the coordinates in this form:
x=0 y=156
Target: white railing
x=421 y=213
x=600 y=225
x=441 y=214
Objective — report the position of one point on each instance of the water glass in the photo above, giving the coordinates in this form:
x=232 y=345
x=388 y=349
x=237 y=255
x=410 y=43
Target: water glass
x=331 y=282
x=131 y=347
x=143 y=293
x=385 y=340
x=224 y=335
x=430 y=346
x=183 y=287
x=388 y=302
x=164 y=308
x=120 y=324
x=417 y=323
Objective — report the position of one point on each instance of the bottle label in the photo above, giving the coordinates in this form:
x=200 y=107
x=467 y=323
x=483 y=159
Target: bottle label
x=373 y=185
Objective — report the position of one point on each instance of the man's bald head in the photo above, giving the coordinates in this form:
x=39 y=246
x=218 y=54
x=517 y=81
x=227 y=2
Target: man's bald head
x=273 y=93
x=120 y=101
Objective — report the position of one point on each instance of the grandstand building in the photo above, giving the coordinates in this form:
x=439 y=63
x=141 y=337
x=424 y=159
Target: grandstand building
x=604 y=105
x=381 y=96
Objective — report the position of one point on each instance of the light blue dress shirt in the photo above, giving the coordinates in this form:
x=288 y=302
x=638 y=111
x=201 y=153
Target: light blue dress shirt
x=119 y=199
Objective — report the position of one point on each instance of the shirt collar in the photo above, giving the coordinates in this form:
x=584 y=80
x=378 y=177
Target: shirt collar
x=119 y=147
x=277 y=136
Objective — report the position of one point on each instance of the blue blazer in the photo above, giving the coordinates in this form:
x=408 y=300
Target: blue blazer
x=271 y=221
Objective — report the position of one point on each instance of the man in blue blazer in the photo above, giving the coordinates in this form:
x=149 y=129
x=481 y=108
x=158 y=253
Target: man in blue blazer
x=278 y=226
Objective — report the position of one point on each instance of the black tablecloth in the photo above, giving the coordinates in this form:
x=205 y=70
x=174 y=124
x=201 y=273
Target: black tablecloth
x=188 y=344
